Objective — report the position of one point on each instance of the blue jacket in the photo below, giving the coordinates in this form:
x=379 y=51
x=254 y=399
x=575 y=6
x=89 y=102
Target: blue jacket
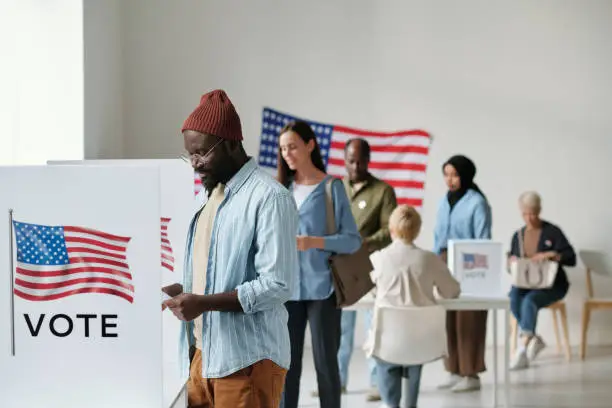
x=314 y=281
x=469 y=219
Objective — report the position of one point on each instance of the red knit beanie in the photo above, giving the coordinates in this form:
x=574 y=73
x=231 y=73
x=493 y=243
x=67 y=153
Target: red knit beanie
x=215 y=116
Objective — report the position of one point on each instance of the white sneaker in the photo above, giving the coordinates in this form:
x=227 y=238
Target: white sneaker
x=373 y=395
x=467 y=384
x=450 y=382
x=519 y=361
x=535 y=346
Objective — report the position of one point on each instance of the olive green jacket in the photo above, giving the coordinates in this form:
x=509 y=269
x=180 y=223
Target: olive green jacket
x=372 y=206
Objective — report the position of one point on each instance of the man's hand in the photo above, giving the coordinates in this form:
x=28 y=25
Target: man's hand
x=173 y=290
x=369 y=245
x=186 y=306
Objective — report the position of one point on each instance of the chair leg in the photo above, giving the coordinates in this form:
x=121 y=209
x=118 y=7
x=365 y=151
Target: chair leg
x=513 y=334
x=556 y=328
x=568 y=348
x=586 y=317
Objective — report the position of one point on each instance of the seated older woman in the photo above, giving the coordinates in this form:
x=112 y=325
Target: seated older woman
x=405 y=276
x=541 y=241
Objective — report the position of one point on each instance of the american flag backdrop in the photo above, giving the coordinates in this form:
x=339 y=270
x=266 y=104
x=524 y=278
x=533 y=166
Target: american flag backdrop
x=54 y=262
x=399 y=158
x=167 y=257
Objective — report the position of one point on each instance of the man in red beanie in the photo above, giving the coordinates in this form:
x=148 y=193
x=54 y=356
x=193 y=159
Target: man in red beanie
x=240 y=268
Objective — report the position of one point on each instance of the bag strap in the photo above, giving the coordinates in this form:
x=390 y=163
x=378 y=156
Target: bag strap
x=521 y=244
x=189 y=332
x=330 y=216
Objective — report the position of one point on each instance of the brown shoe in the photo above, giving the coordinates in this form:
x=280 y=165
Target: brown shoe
x=373 y=395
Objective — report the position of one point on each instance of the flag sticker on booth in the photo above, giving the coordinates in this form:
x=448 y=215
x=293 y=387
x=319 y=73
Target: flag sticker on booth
x=55 y=262
x=197 y=184
x=167 y=257
x=475 y=261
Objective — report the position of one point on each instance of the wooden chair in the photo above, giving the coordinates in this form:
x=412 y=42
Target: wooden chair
x=558 y=307
x=601 y=264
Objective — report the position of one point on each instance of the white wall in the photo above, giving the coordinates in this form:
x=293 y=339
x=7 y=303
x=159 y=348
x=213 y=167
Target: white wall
x=61 y=80
x=8 y=81
x=103 y=61
x=42 y=81
x=522 y=87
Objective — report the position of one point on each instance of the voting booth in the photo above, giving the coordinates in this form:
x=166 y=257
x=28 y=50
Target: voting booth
x=86 y=250
x=479 y=266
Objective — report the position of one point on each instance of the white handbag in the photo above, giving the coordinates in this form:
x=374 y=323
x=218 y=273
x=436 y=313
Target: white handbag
x=528 y=274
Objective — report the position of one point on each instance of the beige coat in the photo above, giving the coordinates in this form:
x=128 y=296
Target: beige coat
x=406 y=276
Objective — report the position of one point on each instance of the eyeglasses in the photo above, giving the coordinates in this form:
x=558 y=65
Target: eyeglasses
x=197 y=158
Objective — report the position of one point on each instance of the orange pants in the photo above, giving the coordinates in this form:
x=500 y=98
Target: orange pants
x=257 y=386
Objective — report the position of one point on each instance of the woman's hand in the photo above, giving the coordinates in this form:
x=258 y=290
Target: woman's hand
x=545 y=256
x=511 y=260
x=304 y=243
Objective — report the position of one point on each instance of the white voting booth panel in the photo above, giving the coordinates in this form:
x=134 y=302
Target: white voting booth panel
x=176 y=186
x=173 y=171
x=479 y=266
x=83 y=325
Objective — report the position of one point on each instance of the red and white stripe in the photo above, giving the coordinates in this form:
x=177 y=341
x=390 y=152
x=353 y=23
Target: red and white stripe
x=167 y=257
x=197 y=183
x=398 y=158
x=97 y=264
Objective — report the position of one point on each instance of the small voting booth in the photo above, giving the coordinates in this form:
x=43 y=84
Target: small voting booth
x=86 y=250
x=479 y=266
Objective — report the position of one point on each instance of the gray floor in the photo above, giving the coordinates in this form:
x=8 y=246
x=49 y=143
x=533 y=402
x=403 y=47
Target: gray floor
x=550 y=382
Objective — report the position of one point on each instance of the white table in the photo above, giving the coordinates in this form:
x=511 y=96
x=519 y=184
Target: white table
x=472 y=303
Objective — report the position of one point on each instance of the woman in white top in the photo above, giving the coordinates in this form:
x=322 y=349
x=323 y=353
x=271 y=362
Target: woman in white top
x=405 y=276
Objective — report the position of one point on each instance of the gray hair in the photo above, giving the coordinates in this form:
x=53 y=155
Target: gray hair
x=531 y=199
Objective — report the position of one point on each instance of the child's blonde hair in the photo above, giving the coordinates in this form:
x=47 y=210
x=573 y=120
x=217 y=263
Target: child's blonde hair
x=405 y=222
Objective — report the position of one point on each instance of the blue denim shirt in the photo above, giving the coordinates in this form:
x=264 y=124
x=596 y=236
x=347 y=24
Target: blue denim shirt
x=252 y=250
x=314 y=278
x=469 y=219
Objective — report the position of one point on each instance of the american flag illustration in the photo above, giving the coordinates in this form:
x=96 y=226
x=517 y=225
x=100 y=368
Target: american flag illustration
x=475 y=261
x=167 y=257
x=54 y=262
x=399 y=158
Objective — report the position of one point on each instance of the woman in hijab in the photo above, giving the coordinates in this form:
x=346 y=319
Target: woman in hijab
x=463 y=214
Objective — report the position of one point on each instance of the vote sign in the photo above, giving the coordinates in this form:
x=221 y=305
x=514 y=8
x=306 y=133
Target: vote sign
x=82 y=254
x=478 y=265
